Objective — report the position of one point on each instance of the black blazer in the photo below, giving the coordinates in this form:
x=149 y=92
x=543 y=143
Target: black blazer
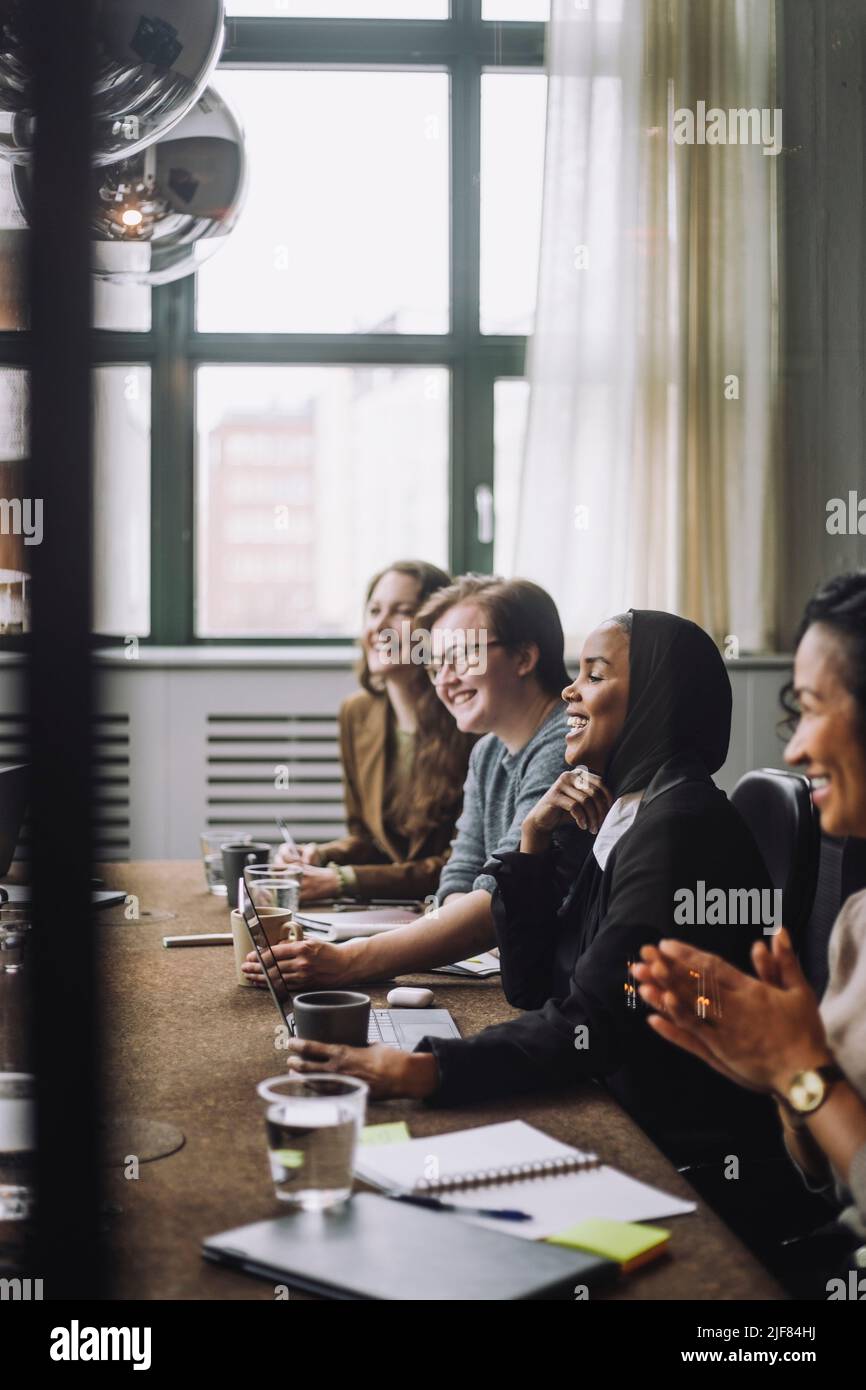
x=564 y=958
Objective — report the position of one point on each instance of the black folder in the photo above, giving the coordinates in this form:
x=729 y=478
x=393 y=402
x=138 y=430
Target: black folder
x=375 y=1248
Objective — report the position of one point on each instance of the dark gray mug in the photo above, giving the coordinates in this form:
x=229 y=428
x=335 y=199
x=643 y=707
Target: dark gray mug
x=236 y=856
x=332 y=1016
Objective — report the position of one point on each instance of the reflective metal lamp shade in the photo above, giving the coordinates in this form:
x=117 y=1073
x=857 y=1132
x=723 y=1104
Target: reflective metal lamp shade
x=157 y=216
x=152 y=62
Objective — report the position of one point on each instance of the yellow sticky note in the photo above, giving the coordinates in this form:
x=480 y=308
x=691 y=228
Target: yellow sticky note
x=394 y=1133
x=629 y=1243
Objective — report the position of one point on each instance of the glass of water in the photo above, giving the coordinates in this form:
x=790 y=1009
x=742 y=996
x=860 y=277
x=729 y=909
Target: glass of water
x=313 y=1124
x=14 y=932
x=277 y=886
x=212 y=842
x=17 y=1145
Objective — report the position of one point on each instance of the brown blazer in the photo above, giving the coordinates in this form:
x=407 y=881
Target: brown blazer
x=381 y=867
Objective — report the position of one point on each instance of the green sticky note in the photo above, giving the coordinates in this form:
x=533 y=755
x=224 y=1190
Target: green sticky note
x=289 y=1158
x=395 y=1133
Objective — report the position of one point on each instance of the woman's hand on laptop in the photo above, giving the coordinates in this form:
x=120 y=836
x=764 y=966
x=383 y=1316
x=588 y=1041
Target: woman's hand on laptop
x=389 y=1073
x=308 y=962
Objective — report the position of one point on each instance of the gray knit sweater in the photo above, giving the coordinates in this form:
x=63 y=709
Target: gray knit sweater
x=500 y=789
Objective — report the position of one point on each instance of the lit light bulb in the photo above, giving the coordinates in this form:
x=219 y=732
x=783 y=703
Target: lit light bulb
x=132 y=218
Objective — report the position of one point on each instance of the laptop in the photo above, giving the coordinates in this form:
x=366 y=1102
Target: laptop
x=375 y=1248
x=400 y=1028
x=14 y=796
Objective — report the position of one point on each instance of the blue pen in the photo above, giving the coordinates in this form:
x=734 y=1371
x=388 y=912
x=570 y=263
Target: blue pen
x=436 y=1204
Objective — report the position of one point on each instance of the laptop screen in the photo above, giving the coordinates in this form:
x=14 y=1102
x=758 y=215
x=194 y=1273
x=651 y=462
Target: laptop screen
x=276 y=982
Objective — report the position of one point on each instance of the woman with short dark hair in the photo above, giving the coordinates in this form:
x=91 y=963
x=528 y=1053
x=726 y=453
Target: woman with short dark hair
x=772 y=1035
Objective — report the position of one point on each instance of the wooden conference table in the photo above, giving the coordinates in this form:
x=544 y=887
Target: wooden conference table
x=187 y=1047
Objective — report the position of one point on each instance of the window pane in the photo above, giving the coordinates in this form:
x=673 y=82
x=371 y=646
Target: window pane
x=512 y=171
x=519 y=9
x=340 y=9
x=13 y=261
x=510 y=412
x=21 y=514
x=124 y=307
x=345 y=228
x=121 y=500
x=308 y=480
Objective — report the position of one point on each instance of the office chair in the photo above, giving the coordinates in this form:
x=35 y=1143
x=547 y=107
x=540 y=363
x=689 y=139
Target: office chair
x=770 y=1203
x=777 y=807
x=841 y=872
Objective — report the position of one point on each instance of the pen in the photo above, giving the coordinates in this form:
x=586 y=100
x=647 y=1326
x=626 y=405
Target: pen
x=286 y=834
x=215 y=938
x=436 y=1204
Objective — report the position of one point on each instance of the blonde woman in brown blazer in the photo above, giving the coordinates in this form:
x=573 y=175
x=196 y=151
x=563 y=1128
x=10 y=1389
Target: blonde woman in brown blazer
x=404 y=759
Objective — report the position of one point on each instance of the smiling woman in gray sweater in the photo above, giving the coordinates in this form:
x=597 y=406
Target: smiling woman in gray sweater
x=497 y=667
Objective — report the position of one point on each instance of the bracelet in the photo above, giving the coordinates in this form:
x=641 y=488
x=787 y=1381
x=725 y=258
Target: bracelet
x=342 y=878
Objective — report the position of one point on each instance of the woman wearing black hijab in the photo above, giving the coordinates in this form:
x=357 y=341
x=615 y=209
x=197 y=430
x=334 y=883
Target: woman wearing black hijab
x=649 y=722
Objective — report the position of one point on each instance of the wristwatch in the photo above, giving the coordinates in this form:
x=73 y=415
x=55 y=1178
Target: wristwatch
x=807 y=1090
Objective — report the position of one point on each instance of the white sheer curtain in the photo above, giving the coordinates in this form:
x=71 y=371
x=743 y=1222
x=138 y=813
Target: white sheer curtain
x=650 y=455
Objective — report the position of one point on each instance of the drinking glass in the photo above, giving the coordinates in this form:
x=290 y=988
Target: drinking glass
x=274 y=885
x=14 y=931
x=313 y=1125
x=17 y=1145
x=212 y=856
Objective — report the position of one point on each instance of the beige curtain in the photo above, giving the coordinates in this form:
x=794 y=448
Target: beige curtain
x=651 y=450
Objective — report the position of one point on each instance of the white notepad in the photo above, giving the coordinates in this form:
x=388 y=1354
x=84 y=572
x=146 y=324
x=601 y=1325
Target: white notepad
x=515 y=1165
x=480 y=967
x=363 y=921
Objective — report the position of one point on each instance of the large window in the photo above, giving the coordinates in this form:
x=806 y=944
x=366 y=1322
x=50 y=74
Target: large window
x=332 y=389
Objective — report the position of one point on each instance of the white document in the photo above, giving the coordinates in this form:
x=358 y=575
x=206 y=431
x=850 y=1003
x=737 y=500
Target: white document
x=526 y=1169
x=559 y=1202
x=482 y=966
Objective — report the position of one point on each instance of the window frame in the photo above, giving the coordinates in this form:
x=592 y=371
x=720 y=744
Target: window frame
x=465 y=46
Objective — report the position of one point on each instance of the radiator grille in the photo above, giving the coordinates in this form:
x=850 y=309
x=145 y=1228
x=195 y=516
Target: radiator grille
x=263 y=765
x=110 y=776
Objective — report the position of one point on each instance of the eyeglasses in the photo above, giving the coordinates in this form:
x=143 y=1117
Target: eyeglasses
x=461 y=660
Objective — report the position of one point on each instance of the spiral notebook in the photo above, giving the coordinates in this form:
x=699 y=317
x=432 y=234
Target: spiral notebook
x=515 y=1165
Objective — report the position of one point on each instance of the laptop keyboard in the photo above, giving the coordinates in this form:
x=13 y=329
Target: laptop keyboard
x=381 y=1029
